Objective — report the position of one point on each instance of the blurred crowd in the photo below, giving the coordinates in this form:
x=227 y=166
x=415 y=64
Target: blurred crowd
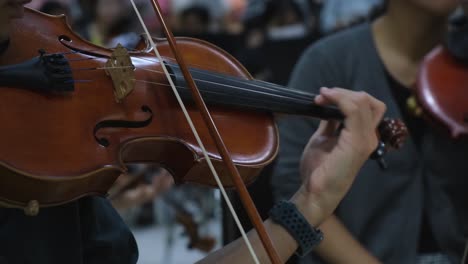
x=259 y=33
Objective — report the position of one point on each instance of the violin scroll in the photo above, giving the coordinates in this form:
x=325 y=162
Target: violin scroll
x=393 y=132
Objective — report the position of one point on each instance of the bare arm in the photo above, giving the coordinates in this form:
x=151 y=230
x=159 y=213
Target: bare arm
x=329 y=163
x=339 y=245
x=285 y=245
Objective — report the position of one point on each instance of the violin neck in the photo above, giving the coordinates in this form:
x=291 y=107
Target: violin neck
x=225 y=90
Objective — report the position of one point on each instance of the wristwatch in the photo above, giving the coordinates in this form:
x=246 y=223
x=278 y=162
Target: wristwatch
x=287 y=215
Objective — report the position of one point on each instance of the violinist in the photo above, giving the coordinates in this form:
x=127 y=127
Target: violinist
x=90 y=231
x=413 y=211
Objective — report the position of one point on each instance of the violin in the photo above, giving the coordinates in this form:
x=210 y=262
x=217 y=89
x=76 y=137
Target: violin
x=442 y=84
x=442 y=91
x=73 y=114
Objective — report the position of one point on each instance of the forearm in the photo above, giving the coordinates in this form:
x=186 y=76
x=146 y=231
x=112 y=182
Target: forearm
x=328 y=168
x=339 y=246
x=237 y=251
x=283 y=242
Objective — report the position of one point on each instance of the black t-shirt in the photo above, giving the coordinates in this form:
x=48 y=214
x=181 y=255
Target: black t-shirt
x=88 y=231
x=379 y=210
x=416 y=126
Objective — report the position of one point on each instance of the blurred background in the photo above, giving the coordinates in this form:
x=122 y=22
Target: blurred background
x=181 y=224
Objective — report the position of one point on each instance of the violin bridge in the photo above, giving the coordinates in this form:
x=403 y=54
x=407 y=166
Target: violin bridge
x=122 y=72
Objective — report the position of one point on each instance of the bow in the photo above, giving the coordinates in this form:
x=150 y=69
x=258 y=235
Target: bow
x=221 y=147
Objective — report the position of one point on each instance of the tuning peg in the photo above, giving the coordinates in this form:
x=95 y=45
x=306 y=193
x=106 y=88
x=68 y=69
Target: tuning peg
x=378 y=155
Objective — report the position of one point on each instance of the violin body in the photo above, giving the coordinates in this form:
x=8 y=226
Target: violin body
x=51 y=144
x=442 y=91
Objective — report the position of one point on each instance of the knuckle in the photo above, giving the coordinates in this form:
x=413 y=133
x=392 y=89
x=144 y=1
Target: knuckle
x=353 y=108
x=363 y=95
x=363 y=98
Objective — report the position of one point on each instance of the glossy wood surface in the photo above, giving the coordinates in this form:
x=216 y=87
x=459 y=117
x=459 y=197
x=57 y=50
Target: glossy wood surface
x=47 y=147
x=443 y=91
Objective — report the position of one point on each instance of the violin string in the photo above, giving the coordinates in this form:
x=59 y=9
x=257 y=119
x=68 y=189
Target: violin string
x=78 y=81
x=86 y=69
x=243 y=82
x=306 y=99
x=248 y=96
x=199 y=70
x=210 y=92
x=232 y=78
x=84 y=59
x=195 y=133
x=171 y=59
x=93 y=57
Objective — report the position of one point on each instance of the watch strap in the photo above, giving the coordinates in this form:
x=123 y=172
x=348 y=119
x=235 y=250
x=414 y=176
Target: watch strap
x=287 y=215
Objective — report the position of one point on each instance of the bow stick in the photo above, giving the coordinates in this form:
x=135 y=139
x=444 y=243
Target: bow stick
x=221 y=147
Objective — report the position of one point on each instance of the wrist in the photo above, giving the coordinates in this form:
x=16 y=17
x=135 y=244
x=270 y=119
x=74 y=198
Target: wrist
x=308 y=206
x=287 y=215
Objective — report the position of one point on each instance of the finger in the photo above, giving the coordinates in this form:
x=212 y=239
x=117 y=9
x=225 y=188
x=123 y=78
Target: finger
x=353 y=105
x=370 y=107
x=322 y=100
x=328 y=128
x=379 y=109
x=362 y=113
x=376 y=107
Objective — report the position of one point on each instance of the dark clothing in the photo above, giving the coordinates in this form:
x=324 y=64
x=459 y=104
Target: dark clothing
x=84 y=232
x=4 y=46
x=457 y=39
x=416 y=127
x=383 y=209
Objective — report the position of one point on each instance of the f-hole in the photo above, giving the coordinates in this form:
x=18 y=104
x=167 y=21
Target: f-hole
x=121 y=124
x=68 y=42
